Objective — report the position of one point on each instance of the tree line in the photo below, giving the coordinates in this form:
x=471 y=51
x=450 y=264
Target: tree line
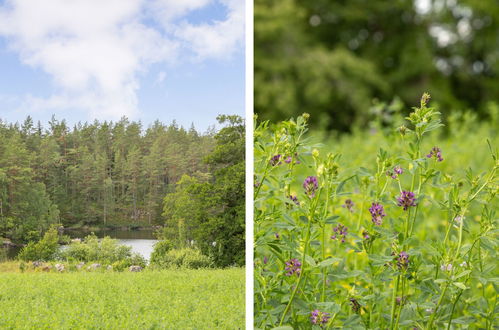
x=117 y=173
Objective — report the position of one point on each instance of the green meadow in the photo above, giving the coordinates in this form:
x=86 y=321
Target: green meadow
x=167 y=299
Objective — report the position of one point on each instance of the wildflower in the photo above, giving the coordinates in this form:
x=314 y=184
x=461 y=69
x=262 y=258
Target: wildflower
x=377 y=212
x=446 y=267
x=457 y=220
x=265 y=260
x=366 y=235
x=400 y=300
x=294 y=199
x=276 y=160
x=340 y=231
x=310 y=185
x=349 y=204
x=277 y=236
x=463 y=264
x=318 y=317
x=402 y=260
x=435 y=152
x=288 y=159
x=406 y=199
x=355 y=305
x=397 y=170
x=293 y=266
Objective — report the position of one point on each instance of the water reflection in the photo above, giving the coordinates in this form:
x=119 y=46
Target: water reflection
x=141 y=241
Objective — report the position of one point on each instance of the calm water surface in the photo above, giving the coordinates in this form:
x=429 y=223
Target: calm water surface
x=141 y=241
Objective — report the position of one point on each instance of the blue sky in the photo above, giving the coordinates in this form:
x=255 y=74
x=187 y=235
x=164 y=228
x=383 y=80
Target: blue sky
x=144 y=59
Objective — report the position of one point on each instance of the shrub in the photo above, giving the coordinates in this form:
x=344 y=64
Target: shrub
x=105 y=251
x=161 y=248
x=46 y=249
x=179 y=258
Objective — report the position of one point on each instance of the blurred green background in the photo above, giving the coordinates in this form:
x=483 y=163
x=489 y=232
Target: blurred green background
x=347 y=61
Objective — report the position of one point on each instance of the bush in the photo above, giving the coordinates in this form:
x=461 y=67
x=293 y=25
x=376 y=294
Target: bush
x=105 y=251
x=161 y=248
x=179 y=258
x=46 y=249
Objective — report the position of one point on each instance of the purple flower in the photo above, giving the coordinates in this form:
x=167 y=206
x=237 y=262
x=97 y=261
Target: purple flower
x=275 y=160
x=435 y=152
x=366 y=235
x=349 y=204
x=277 y=236
x=293 y=266
x=318 y=317
x=406 y=199
x=294 y=199
x=288 y=160
x=402 y=260
x=310 y=185
x=340 y=232
x=397 y=170
x=377 y=213
x=355 y=305
x=265 y=260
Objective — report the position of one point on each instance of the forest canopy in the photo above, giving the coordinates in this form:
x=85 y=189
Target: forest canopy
x=332 y=58
x=118 y=174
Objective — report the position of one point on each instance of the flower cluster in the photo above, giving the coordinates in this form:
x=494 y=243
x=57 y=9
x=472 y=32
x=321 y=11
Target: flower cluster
x=435 y=152
x=340 y=232
x=377 y=213
x=319 y=318
x=289 y=159
x=406 y=199
x=402 y=260
x=355 y=305
x=293 y=266
x=294 y=199
x=276 y=160
x=310 y=185
x=446 y=267
x=366 y=235
x=349 y=204
x=397 y=170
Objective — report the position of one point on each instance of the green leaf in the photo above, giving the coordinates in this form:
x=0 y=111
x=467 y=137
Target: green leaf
x=460 y=285
x=329 y=262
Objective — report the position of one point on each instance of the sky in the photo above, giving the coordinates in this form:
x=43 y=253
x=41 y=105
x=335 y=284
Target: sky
x=82 y=60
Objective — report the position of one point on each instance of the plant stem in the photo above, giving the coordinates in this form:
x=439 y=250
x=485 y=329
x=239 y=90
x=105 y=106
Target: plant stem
x=394 y=299
x=432 y=317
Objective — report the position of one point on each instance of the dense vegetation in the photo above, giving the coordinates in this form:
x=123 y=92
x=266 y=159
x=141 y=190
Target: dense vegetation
x=185 y=299
x=106 y=174
x=92 y=174
x=208 y=211
x=331 y=58
x=398 y=231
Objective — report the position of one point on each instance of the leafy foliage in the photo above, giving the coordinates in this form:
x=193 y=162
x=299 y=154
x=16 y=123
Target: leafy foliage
x=97 y=174
x=179 y=258
x=398 y=232
x=106 y=251
x=331 y=58
x=110 y=300
x=46 y=249
x=208 y=210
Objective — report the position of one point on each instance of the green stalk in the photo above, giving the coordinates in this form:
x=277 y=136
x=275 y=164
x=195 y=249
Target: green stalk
x=394 y=299
x=300 y=276
x=440 y=299
x=303 y=262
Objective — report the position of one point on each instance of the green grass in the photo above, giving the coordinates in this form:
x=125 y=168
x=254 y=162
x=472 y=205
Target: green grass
x=172 y=299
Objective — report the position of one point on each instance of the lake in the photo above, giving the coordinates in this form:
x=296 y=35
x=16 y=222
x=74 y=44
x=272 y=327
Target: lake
x=141 y=241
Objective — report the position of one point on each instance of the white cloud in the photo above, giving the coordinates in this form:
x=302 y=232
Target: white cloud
x=96 y=50
x=212 y=39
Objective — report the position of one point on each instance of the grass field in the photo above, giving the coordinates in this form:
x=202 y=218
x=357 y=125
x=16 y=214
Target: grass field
x=172 y=299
